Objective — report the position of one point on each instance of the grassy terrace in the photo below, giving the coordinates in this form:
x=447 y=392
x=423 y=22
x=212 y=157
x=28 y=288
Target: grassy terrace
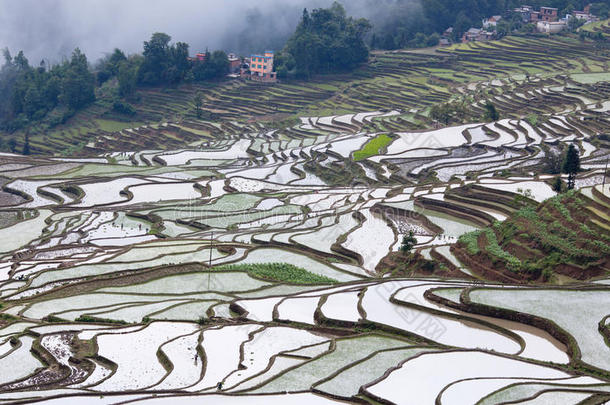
x=106 y=276
x=599 y=26
x=564 y=235
x=391 y=80
x=373 y=147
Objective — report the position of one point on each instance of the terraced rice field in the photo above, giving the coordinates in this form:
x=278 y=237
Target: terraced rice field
x=246 y=264
x=513 y=72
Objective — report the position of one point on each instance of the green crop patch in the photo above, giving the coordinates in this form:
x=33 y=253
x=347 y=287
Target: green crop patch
x=280 y=272
x=535 y=241
x=373 y=147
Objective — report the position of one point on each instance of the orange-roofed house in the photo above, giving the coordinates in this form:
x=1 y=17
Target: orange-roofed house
x=261 y=67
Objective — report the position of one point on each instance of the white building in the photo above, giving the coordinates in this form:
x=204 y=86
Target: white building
x=551 y=27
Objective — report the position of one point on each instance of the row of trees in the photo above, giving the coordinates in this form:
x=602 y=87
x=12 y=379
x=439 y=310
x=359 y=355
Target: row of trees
x=161 y=64
x=28 y=93
x=325 y=41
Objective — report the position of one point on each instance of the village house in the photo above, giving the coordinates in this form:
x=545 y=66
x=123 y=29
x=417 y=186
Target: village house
x=585 y=15
x=476 y=34
x=492 y=21
x=446 y=37
x=525 y=12
x=244 y=69
x=551 y=27
x=471 y=35
x=201 y=57
x=261 y=68
x=548 y=14
x=529 y=15
x=234 y=63
x=547 y=21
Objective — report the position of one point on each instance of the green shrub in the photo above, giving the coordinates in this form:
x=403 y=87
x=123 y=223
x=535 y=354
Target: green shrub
x=53 y=319
x=532 y=119
x=546 y=274
x=122 y=107
x=471 y=240
x=7 y=317
x=93 y=319
x=428 y=266
x=495 y=251
x=557 y=184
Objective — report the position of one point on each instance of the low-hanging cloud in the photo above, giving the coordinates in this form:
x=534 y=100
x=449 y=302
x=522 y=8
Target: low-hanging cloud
x=51 y=29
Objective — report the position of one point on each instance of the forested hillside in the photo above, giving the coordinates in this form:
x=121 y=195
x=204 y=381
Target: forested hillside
x=403 y=23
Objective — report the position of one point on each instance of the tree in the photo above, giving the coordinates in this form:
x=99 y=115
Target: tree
x=214 y=66
x=408 y=242
x=26 y=145
x=198 y=101
x=461 y=25
x=491 y=114
x=575 y=23
x=78 y=87
x=12 y=145
x=557 y=184
x=127 y=77
x=523 y=196
x=552 y=162
x=325 y=41
x=448 y=112
x=109 y=65
x=51 y=90
x=433 y=39
x=31 y=101
x=219 y=62
x=180 y=64
x=156 y=59
x=571 y=165
x=284 y=64
x=21 y=62
x=600 y=9
x=440 y=113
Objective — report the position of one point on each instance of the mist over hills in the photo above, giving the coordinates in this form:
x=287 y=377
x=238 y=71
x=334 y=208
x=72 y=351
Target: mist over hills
x=52 y=29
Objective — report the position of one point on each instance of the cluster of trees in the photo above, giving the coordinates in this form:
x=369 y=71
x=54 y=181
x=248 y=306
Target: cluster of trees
x=565 y=161
x=459 y=111
x=404 y=23
x=446 y=113
x=161 y=64
x=214 y=66
x=325 y=41
x=28 y=93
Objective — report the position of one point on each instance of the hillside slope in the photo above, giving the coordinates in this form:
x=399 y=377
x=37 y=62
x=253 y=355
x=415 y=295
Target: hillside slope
x=516 y=69
x=567 y=235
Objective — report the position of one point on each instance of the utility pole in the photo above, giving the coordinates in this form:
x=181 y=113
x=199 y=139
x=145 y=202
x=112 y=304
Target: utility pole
x=605 y=171
x=210 y=264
